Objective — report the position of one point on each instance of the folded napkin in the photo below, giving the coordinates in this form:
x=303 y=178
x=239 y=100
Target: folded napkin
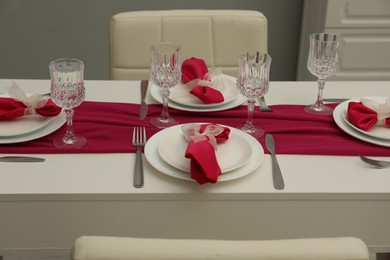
x=197 y=77
x=203 y=139
x=207 y=94
x=20 y=104
x=368 y=113
x=193 y=68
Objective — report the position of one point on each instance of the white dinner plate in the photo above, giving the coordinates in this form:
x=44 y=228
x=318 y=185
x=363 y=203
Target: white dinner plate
x=152 y=155
x=231 y=155
x=378 y=131
x=340 y=117
x=22 y=125
x=227 y=86
x=238 y=100
x=55 y=123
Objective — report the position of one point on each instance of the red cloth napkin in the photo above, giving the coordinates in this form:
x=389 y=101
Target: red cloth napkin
x=10 y=109
x=204 y=166
x=363 y=117
x=194 y=68
x=207 y=95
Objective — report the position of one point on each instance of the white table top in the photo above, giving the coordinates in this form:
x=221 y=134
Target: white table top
x=100 y=176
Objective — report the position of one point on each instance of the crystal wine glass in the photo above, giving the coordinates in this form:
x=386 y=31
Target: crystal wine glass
x=165 y=73
x=322 y=63
x=67 y=91
x=253 y=83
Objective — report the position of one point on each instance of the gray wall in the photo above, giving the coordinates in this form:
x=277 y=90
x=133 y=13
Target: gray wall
x=34 y=32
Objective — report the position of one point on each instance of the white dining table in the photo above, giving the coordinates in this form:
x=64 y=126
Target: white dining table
x=45 y=206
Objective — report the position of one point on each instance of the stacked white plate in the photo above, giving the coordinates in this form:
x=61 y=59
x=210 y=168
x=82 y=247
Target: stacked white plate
x=232 y=97
x=239 y=156
x=29 y=127
x=379 y=135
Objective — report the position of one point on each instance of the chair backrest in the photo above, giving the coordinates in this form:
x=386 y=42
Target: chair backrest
x=119 y=248
x=217 y=36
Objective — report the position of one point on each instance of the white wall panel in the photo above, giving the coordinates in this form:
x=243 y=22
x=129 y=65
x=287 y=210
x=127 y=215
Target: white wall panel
x=364 y=27
x=364 y=54
x=358 y=13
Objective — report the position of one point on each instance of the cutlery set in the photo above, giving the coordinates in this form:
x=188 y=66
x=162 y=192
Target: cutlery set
x=139 y=141
x=139 y=138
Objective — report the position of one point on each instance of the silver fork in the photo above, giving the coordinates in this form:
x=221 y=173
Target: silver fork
x=376 y=163
x=138 y=141
x=263 y=106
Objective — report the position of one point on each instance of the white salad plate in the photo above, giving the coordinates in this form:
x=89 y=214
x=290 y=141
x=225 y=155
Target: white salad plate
x=379 y=131
x=227 y=86
x=234 y=99
x=23 y=125
x=377 y=135
x=152 y=154
x=232 y=154
x=46 y=128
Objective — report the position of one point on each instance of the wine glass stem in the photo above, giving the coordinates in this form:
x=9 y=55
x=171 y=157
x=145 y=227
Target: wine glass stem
x=165 y=95
x=69 y=136
x=251 y=107
x=319 y=104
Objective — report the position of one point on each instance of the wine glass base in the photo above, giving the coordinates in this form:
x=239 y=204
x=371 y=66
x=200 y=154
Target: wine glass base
x=255 y=132
x=163 y=123
x=75 y=142
x=324 y=111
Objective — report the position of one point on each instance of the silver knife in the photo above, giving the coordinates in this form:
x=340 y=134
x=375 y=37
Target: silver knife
x=21 y=159
x=143 y=109
x=276 y=172
x=336 y=100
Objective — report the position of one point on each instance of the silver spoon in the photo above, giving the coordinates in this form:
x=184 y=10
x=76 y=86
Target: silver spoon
x=376 y=163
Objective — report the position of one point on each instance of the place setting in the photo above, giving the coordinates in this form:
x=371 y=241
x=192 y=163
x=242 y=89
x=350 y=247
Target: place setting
x=239 y=155
x=363 y=118
x=201 y=89
x=204 y=152
x=26 y=117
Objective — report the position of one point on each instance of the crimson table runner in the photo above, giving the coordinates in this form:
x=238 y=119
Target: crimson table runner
x=108 y=128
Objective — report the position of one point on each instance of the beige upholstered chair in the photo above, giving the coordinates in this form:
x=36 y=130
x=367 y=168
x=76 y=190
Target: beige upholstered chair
x=116 y=248
x=217 y=36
